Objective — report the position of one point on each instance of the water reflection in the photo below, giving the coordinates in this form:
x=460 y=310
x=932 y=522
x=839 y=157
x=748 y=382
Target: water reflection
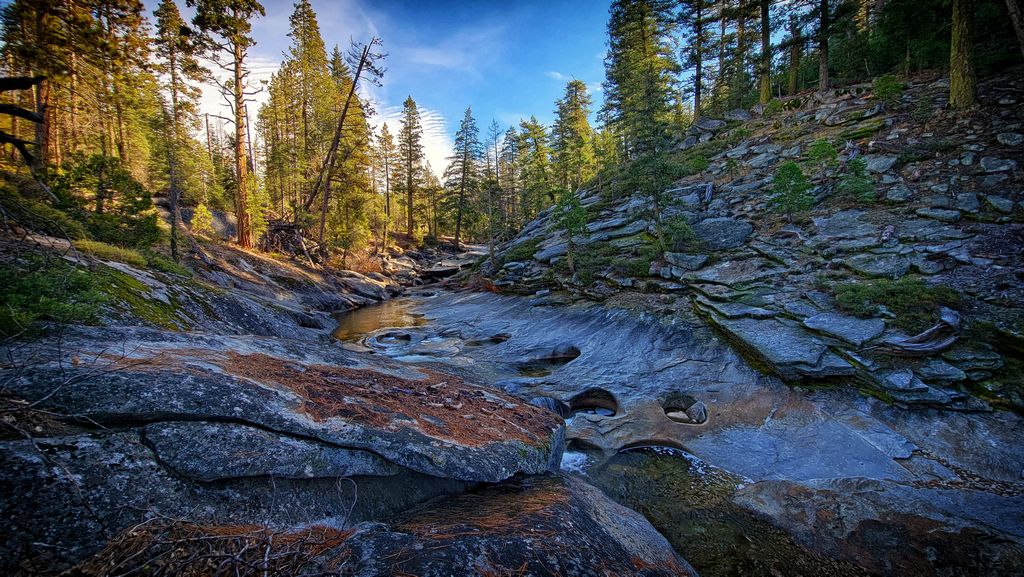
x=394 y=313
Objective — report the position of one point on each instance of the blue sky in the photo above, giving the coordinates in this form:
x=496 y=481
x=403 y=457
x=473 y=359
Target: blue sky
x=505 y=59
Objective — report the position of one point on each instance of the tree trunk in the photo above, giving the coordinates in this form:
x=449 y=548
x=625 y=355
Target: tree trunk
x=823 y=26
x=1018 y=21
x=962 y=82
x=698 y=58
x=766 y=53
x=794 y=57
x=241 y=166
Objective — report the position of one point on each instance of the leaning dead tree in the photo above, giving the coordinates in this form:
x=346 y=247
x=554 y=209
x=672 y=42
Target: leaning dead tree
x=366 y=60
x=8 y=84
x=292 y=237
x=20 y=83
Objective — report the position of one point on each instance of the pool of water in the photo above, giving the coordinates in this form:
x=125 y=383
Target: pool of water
x=394 y=313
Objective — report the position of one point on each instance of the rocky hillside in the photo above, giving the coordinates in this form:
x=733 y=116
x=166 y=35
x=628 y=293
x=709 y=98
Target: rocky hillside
x=902 y=278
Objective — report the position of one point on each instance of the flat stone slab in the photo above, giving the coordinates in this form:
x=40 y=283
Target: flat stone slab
x=211 y=451
x=722 y=233
x=879 y=265
x=792 y=352
x=850 y=329
x=433 y=423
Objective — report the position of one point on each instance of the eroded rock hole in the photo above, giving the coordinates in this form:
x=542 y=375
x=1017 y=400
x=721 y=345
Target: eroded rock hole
x=492 y=340
x=594 y=402
x=543 y=365
x=552 y=404
x=683 y=408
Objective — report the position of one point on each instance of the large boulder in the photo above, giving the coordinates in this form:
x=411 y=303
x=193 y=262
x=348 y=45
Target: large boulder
x=722 y=233
x=241 y=430
x=891 y=528
x=539 y=526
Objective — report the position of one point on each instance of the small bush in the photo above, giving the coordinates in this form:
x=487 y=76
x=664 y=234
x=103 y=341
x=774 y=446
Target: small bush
x=697 y=164
x=924 y=109
x=822 y=154
x=791 y=187
x=679 y=236
x=46 y=289
x=39 y=216
x=105 y=251
x=522 y=251
x=911 y=300
x=887 y=88
x=856 y=182
x=773 y=108
x=202 y=222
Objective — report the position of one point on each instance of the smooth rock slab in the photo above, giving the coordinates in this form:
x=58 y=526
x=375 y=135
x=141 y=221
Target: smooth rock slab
x=995 y=164
x=211 y=451
x=790 y=351
x=850 y=329
x=413 y=420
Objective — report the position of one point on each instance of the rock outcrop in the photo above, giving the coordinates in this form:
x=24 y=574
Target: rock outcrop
x=242 y=430
x=539 y=526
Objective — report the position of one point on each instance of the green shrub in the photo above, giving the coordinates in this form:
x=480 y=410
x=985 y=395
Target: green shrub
x=39 y=216
x=121 y=211
x=202 y=221
x=732 y=168
x=773 y=108
x=911 y=300
x=790 y=187
x=105 y=251
x=161 y=263
x=523 y=251
x=48 y=289
x=924 y=109
x=697 y=164
x=679 y=235
x=887 y=88
x=822 y=154
x=856 y=182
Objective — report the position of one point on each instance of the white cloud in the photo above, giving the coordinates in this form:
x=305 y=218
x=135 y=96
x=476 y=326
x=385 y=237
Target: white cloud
x=557 y=76
x=437 y=142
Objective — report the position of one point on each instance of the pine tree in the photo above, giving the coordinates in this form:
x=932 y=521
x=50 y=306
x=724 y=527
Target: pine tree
x=410 y=151
x=511 y=163
x=388 y=162
x=462 y=177
x=226 y=28
x=175 y=48
x=697 y=19
x=572 y=138
x=641 y=74
x=535 y=156
x=765 y=65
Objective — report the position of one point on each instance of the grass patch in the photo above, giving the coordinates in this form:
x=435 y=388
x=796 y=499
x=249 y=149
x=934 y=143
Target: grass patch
x=106 y=251
x=522 y=251
x=46 y=289
x=159 y=262
x=132 y=296
x=911 y=300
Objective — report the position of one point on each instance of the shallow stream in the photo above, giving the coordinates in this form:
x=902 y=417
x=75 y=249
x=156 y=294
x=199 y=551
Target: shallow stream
x=501 y=342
